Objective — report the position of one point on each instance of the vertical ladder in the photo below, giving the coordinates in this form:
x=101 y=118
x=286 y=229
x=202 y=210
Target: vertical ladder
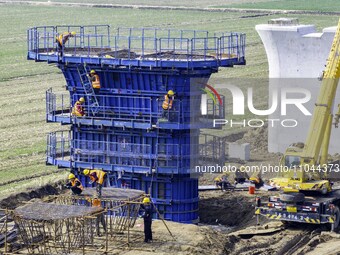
x=83 y=71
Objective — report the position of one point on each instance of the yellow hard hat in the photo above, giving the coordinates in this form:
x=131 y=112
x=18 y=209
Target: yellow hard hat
x=171 y=93
x=217 y=179
x=146 y=200
x=71 y=176
x=86 y=171
x=82 y=100
x=92 y=71
x=73 y=33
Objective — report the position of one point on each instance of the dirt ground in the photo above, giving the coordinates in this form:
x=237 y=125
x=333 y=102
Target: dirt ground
x=227 y=222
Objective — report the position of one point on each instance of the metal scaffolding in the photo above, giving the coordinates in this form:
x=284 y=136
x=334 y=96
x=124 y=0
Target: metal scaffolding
x=73 y=224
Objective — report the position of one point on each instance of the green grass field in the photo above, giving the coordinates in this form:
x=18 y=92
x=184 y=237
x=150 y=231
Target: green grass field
x=23 y=83
x=197 y=3
x=310 y=5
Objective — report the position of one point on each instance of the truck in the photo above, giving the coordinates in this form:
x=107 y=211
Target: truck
x=308 y=195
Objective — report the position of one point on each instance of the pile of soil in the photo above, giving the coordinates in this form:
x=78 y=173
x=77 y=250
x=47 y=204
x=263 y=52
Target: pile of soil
x=230 y=208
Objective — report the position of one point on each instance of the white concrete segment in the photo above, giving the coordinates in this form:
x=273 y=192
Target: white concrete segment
x=295 y=52
x=239 y=151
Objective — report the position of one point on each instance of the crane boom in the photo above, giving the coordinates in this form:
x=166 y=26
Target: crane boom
x=324 y=105
x=300 y=158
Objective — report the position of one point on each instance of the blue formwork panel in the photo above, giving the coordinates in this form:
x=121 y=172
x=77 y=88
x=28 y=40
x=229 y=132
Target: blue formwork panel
x=116 y=149
x=143 y=82
x=176 y=198
x=125 y=130
x=138 y=95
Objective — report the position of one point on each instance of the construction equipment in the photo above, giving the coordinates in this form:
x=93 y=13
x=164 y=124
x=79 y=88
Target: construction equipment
x=307 y=163
x=83 y=71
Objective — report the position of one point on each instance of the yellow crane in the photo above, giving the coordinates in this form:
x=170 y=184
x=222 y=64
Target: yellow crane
x=308 y=162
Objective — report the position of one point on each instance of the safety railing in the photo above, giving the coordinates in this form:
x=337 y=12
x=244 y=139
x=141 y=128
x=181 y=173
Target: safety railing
x=57 y=104
x=213 y=149
x=139 y=109
x=192 y=111
x=120 y=108
x=152 y=43
x=117 y=153
x=60 y=146
x=177 y=156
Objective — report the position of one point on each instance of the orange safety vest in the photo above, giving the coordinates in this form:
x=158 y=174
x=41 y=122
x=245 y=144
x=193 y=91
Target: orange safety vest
x=167 y=103
x=96 y=202
x=78 y=109
x=74 y=183
x=96 y=81
x=97 y=176
x=62 y=38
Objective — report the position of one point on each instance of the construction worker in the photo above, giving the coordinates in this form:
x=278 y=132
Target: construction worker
x=222 y=182
x=94 y=77
x=96 y=202
x=78 y=109
x=62 y=39
x=74 y=184
x=256 y=179
x=96 y=176
x=241 y=175
x=167 y=103
x=147 y=211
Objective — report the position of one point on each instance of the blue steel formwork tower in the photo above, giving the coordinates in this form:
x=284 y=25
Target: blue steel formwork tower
x=123 y=131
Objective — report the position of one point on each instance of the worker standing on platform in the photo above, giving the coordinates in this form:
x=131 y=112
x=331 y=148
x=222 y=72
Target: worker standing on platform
x=78 y=109
x=167 y=103
x=96 y=176
x=74 y=184
x=147 y=211
x=62 y=39
x=94 y=77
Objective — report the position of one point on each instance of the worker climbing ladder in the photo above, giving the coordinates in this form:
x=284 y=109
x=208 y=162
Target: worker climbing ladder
x=83 y=71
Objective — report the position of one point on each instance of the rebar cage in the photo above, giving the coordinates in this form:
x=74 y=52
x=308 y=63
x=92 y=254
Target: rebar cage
x=121 y=206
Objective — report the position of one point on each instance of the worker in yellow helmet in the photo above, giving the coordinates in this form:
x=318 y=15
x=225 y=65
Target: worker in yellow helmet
x=78 y=109
x=147 y=211
x=74 y=184
x=61 y=40
x=168 y=103
x=96 y=176
x=94 y=77
x=256 y=179
x=222 y=182
x=96 y=202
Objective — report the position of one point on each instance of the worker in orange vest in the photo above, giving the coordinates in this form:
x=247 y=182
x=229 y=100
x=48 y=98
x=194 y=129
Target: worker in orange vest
x=96 y=202
x=96 y=176
x=62 y=39
x=74 y=184
x=94 y=77
x=78 y=109
x=167 y=103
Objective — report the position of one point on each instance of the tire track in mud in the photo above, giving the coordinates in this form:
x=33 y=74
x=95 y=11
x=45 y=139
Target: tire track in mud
x=298 y=242
x=289 y=241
